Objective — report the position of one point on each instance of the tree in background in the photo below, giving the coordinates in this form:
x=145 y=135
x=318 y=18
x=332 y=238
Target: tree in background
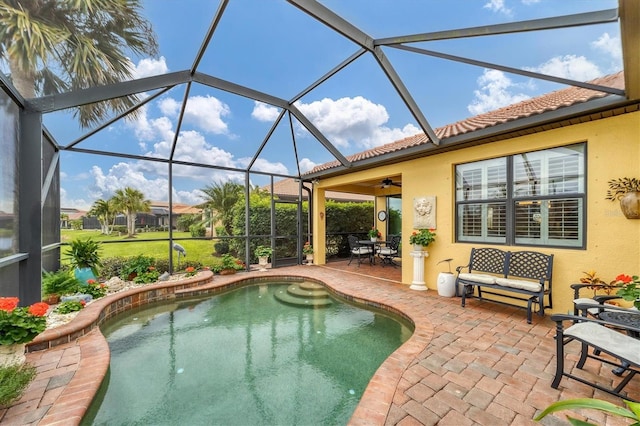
x=105 y=212
x=130 y=201
x=220 y=199
x=55 y=46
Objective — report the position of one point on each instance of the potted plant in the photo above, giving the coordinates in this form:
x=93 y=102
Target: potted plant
x=56 y=284
x=422 y=238
x=627 y=191
x=630 y=290
x=84 y=257
x=263 y=253
x=307 y=250
x=374 y=234
x=18 y=326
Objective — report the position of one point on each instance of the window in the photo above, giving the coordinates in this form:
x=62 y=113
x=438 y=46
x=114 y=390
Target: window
x=534 y=198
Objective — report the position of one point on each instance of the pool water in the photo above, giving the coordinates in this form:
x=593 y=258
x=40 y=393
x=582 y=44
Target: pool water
x=242 y=358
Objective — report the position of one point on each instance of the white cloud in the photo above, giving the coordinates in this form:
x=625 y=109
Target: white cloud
x=132 y=175
x=149 y=67
x=306 y=164
x=612 y=47
x=530 y=2
x=495 y=92
x=356 y=122
x=205 y=112
x=169 y=106
x=498 y=6
x=569 y=66
x=69 y=202
x=264 y=112
x=263 y=165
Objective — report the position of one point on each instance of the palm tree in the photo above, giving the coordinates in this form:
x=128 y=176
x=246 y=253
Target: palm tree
x=54 y=46
x=104 y=211
x=130 y=201
x=220 y=199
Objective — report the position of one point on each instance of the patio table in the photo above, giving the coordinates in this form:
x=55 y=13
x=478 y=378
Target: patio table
x=623 y=318
x=373 y=245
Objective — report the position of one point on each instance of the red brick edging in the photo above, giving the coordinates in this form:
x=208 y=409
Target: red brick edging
x=81 y=338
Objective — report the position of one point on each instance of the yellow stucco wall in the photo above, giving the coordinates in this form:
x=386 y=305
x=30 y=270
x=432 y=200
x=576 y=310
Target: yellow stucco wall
x=612 y=241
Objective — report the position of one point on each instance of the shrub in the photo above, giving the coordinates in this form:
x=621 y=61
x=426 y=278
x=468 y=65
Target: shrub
x=151 y=275
x=95 y=289
x=113 y=267
x=13 y=381
x=186 y=220
x=227 y=261
x=70 y=306
x=136 y=265
x=197 y=230
x=59 y=282
x=221 y=247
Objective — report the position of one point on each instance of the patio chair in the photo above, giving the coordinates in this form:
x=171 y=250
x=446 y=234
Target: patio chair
x=598 y=335
x=599 y=299
x=356 y=249
x=389 y=251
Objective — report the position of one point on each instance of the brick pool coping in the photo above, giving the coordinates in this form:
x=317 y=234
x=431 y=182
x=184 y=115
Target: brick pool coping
x=87 y=351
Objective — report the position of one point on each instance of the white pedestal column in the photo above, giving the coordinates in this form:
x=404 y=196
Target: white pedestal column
x=418 y=270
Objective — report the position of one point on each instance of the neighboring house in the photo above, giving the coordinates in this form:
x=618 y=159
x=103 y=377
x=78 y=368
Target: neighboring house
x=160 y=209
x=68 y=214
x=158 y=216
x=530 y=176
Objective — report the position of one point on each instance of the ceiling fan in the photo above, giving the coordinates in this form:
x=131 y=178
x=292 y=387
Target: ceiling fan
x=386 y=183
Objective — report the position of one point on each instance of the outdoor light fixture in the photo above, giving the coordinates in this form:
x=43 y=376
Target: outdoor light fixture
x=315 y=181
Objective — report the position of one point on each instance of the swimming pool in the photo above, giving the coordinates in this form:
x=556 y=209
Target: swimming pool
x=242 y=357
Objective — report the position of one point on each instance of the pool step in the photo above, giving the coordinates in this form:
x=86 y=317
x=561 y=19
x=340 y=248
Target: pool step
x=304 y=294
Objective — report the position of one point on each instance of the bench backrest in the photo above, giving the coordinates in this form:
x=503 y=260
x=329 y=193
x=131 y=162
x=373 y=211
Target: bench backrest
x=532 y=265
x=488 y=260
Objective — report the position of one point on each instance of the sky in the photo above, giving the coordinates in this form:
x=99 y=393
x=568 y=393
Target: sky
x=272 y=47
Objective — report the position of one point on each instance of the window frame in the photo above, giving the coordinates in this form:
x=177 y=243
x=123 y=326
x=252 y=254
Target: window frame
x=544 y=198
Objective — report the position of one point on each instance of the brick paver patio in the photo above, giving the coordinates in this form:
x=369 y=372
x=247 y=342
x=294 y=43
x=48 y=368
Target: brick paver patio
x=479 y=365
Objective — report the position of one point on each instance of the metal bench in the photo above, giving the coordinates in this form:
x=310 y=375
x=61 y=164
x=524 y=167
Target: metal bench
x=498 y=272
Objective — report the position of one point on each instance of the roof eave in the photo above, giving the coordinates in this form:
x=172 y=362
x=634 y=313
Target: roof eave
x=532 y=124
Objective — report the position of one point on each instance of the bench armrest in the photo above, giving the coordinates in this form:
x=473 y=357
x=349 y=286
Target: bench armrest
x=460 y=268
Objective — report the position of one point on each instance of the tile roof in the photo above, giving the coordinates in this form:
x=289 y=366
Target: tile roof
x=530 y=107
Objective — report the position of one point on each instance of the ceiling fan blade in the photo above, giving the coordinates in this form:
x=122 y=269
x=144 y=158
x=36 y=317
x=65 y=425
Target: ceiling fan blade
x=388 y=182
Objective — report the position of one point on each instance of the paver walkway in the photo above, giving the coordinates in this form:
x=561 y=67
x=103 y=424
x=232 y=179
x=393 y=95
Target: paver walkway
x=479 y=365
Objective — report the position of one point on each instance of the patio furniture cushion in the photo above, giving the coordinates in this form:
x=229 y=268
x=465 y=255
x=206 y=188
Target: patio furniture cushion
x=607 y=339
x=480 y=278
x=361 y=250
x=522 y=284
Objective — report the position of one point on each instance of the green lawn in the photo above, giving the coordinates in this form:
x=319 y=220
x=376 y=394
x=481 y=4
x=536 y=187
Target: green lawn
x=120 y=246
